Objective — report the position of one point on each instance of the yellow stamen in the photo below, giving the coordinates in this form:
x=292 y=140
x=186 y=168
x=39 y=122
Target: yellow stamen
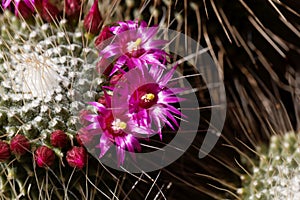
x=122 y=125
x=118 y=125
x=148 y=97
x=138 y=41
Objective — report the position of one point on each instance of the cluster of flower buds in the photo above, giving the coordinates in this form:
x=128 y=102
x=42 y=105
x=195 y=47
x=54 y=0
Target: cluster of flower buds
x=44 y=155
x=19 y=146
x=137 y=100
x=50 y=12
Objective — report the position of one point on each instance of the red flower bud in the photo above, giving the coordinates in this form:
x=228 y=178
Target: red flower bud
x=4 y=151
x=115 y=79
x=22 y=8
x=104 y=67
x=102 y=100
x=72 y=8
x=59 y=139
x=84 y=138
x=77 y=157
x=93 y=19
x=78 y=139
x=19 y=145
x=104 y=35
x=47 y=11
x=44 y=156
x=82 y=114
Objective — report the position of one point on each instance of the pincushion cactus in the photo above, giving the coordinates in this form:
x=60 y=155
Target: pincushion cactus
x=43 y=67
x=48 y=71
x=35 y=110
x=277 y=173
x=41 y=77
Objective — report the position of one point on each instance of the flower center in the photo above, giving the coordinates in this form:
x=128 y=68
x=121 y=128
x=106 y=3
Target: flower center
x=118 y=125
x=148 y=97
x=147 y=100
x=133 y=45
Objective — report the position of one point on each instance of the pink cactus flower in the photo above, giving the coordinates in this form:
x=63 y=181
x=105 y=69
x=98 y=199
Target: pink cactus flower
x=149 y=96
x=134 y=45
x=115 y=128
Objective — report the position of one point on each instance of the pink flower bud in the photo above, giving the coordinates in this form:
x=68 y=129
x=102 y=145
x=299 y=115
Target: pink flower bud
x=82 y=115
x=72 y=8
x=93 y=19
x=102 y=100
x=44 y=156
x=104 y=67
x=115 y=79
x=23 y=8
x=84 y=138
x=78 y=139
x=47 y=11
x=104 y=35
x=4 y=151
x=19 y=145
x=77 y=157
x=59 y=139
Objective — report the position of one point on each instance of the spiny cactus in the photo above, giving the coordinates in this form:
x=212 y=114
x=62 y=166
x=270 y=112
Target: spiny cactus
x=277 y=173
x=248 y=52
x=44 y=68
x=47 y=74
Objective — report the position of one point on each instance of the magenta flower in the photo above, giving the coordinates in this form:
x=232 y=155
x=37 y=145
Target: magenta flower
x=115 y=128
x=19 y=145
x=4 y=151
x=134 y=45
x=77 y=157
x=23 y=8
x=93 y=19
x=59 y=139
x=44 y=156
x=149 y=96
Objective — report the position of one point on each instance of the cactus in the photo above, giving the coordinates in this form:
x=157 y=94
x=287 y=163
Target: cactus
x=47 y=74
x=43 y=67
x=35 y=111
x=276 y=176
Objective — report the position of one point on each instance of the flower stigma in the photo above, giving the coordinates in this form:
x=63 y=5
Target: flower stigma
x=134 y=45
x=118 y=125
x=148 y=97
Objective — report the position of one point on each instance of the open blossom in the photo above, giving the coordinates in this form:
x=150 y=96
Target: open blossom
x=22 y=8
x=115 y=128
x=19 y=145
x=4 y=151
x=93 y=19
x=77 y=157
x=44 y=156
x=134 y=45
x=149 y=96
